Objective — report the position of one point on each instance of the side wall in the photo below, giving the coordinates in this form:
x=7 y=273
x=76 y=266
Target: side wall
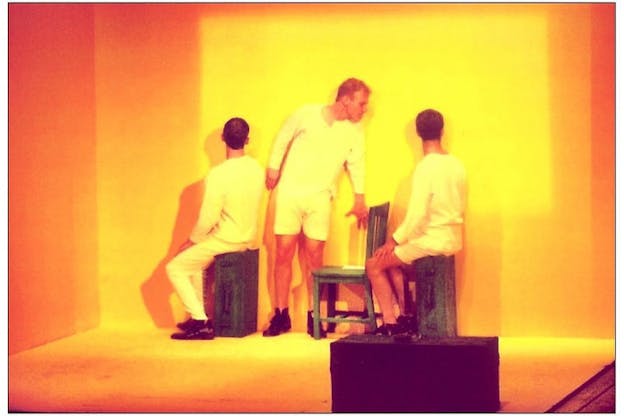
x=53 y=289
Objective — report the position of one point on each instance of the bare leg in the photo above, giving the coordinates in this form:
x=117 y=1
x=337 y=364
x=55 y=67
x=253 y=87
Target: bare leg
x=376 y=269
x=397 y=280
x=314 y=260
x=285 y=251
x=303 y=260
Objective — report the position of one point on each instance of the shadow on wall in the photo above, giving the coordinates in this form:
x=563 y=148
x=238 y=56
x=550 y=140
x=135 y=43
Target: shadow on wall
x=482 y=254
x=157 y=289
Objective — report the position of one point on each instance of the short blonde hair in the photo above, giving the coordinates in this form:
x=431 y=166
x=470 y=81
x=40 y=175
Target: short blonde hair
x=350 y=86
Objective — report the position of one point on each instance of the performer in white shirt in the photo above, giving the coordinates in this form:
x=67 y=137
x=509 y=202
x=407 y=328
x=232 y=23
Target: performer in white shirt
x=228 y=222
x=308 y=154
x=433 y=222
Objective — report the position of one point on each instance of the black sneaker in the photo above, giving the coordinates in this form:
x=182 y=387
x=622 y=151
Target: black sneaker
x=408 y=323
x=390 y=330
x=196 y=329
x=280 y=323
x=311 y=327
x=186 y=325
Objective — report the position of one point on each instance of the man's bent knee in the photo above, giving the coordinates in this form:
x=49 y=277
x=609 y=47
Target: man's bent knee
x=373 y=267
x=172 y=271
x=170 y=268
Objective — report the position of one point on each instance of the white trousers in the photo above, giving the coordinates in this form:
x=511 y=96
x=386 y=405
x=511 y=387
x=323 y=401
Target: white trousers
x=185 y=271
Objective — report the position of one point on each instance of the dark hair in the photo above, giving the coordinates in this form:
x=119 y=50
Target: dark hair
x=235 y=133
x=350 y=86
x=429 y=124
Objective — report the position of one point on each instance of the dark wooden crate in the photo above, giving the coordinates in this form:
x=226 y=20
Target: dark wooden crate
x=434 y=307
x=235 y=293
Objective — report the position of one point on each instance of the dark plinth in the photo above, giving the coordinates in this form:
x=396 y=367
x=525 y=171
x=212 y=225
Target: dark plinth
x=377 y=374
x=236 y=293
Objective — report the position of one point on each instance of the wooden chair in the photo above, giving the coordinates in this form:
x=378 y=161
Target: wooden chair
x=334 y=275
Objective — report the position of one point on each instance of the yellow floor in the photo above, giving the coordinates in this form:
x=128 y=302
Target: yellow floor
x=111 y=371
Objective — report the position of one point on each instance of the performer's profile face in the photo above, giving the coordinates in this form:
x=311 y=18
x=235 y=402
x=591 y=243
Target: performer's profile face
x=356 y=105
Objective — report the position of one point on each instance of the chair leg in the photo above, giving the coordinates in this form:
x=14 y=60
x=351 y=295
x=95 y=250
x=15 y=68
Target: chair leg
x=317 y=309
x=331 y=305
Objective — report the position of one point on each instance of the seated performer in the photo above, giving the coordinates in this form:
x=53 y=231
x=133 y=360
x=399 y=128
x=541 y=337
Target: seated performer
x=433 y=222
x=228 y=222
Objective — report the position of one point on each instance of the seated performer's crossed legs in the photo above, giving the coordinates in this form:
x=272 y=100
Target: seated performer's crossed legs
x=384 y=269
x=185 y=272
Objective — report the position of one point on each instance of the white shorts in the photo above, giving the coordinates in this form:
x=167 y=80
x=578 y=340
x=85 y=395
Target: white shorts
x=308 y=212
x=407 y=253
x=436 y=243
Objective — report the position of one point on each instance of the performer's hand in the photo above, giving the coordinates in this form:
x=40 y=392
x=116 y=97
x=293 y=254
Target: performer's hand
x=385 y=250
x=272 y=176
x=360 y=210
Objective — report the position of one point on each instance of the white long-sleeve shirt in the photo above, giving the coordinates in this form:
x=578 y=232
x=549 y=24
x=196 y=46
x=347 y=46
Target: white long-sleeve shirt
x=231 y=202
x=318 y=152
x=435 y=211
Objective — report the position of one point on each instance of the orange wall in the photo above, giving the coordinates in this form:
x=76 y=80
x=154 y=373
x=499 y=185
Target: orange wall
x=53 y=273
x=527 y=91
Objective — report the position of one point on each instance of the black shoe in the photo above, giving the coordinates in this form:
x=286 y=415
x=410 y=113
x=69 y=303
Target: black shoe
x=408 y=323
x=186 y=325
x=311 y=327
x=196 y=329
x=390 y=330
x=280 y=323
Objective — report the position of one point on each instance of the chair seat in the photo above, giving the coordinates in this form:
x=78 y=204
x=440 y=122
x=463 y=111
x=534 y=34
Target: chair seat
x=340 y=272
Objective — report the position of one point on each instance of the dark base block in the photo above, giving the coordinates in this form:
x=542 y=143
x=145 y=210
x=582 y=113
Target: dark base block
x=377 y=374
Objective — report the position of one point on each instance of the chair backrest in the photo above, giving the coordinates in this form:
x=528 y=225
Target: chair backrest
x=377 y=226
